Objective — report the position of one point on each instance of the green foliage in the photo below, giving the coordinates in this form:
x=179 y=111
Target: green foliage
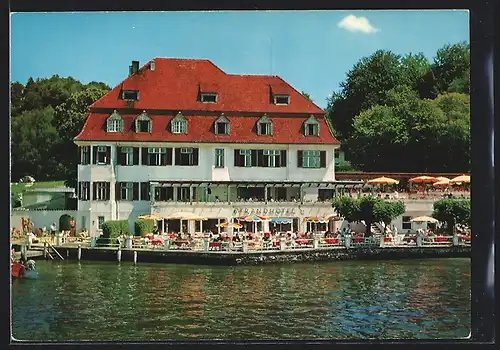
x=345 y=166
x=114 y=228
x=64 y=224
x=306 y=95
x=452 y=211
x=142 y=226
x=425 y=107
x=368 y=208
x=46 y=115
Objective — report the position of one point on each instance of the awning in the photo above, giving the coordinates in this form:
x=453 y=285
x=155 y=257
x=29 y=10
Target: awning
x=283 y=221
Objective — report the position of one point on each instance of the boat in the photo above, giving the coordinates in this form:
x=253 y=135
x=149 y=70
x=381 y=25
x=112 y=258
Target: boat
x=20 y=271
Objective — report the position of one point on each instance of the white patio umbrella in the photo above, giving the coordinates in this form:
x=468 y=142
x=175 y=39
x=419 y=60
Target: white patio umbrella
x=424 y=219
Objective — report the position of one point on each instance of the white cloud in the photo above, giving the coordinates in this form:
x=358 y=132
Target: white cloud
x=357 y=24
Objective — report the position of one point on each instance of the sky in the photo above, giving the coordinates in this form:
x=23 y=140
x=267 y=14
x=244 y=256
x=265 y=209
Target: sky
x=311 y=50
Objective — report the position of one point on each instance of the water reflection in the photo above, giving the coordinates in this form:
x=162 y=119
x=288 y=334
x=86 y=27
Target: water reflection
x=342 y=300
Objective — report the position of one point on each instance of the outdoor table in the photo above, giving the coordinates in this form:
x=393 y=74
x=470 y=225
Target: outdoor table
x=387 y=239
x=302 y=241
x=331 y=240
x=180 y=243
x=214 y=245
x=440 y=239
x=157 y=241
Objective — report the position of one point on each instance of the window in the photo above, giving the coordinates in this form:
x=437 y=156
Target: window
x=163 y=194
x=247 y=157
x=312 y=129
x=145 y=195
x=128 y=191
x=406 y=223
x=143 y=126
x=128 y=156
x=143 y=123
x=219 y=158
x=101 y=191
x=179 y=124
x=221 y=128
x=264 y=129
x=85 y=155
x=102 y=154
x=130 y=95
x=186 y=156
x=208 y=98
x=100 y=222
x=311 y=126
x=155 y=156
x=273 y=158
x=264 y=126
x=311 y=159
x=183 y=194
x=84 y=191
x=281 y=99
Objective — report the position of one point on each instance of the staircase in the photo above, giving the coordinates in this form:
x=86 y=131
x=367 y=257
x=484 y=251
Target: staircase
x=50 y=252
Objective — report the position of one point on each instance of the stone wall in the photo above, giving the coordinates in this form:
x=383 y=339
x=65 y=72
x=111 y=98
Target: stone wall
x=266 y=257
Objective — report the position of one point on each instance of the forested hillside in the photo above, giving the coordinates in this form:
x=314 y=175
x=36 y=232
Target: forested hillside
x=46 y=114
x=405 y=114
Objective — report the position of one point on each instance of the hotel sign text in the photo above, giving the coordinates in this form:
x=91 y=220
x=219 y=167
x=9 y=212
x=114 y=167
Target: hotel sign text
x=266 y=211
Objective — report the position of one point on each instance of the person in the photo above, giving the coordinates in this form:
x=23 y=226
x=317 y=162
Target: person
x=53 y=228
x=12 y=255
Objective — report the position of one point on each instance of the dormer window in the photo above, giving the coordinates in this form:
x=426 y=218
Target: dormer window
x=114 y=123
x=179 y=124
x=281 y=99
x=221 y=126
x=311 y=126
x=130 y=95
x=209 y=97
x=264 y=126
x=143 y=123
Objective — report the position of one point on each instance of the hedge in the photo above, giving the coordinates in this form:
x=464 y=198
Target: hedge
x=113 y=228
x=143 y=226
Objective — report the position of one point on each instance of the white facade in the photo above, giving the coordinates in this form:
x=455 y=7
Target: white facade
x=216 y=204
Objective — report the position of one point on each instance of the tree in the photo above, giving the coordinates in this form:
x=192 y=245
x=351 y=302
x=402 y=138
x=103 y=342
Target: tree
x=433 y=134
x=306 y=95
x=452 y=211
x=70 y=117
x=450 y=72
x=368 y=208
x=32 y=139
x=46 y=115
x=364 y=88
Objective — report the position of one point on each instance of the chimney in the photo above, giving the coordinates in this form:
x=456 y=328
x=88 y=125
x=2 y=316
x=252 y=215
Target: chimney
x=134 y=68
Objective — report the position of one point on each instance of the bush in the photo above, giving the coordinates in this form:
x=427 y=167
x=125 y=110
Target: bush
x=113 y=228
x=345 y=167
x=143 y=226
x=64 y=224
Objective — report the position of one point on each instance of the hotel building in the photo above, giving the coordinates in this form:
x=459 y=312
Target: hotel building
x=181 y=135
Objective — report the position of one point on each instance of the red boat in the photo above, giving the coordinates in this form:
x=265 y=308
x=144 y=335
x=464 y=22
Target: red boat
x=18 y=270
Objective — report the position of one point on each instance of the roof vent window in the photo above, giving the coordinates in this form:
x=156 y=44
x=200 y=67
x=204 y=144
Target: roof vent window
x=209 y=98
x=281 y=99
x=130 y=95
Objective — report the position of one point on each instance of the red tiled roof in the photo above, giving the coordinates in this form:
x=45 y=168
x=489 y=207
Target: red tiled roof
x=286 y=130
x=174 y=84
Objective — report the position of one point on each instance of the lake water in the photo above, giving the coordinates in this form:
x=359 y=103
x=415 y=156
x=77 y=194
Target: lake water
x=407 y=299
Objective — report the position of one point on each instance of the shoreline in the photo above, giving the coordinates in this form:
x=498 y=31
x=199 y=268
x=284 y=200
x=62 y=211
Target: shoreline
x=228 y=258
